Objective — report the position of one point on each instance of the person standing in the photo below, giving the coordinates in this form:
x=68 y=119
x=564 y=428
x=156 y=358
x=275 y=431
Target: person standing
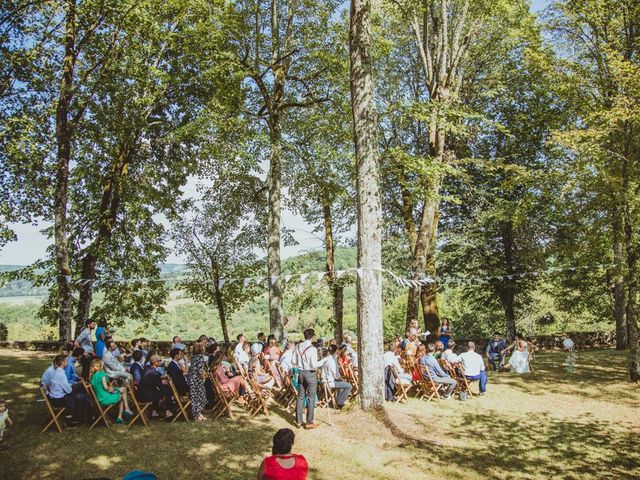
x=474 y=366
x=444 y=332
x=305 y=359
x=84 y=341
x=195 y=380
x=494 y=351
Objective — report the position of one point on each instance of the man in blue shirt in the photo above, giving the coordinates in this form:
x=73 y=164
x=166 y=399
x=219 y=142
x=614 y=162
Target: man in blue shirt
x=439 y=376
x=494 y=351
x=70 y=369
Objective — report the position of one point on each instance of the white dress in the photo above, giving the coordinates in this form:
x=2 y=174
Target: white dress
x=519 y=361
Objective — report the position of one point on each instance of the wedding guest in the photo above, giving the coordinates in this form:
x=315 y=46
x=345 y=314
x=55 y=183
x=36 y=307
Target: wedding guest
x=438 y=375
x=152 y=389
x=4 y=418
x=196 y=381
x=137 y=367
x=84 y=341
x=108 y=394
x=474 y=366
x=333 y=378
x=449 y=355
x=391 y=359
x=112 y=367
x=282 y=464
x=175 y=371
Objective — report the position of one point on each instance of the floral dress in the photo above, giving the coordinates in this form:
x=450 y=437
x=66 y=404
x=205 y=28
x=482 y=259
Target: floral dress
x=196 y=384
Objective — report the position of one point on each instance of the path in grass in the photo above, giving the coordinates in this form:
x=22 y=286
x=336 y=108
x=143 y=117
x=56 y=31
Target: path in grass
x=550 y=423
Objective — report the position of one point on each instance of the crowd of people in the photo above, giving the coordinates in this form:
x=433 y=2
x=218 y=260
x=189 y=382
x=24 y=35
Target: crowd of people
x=95 y=362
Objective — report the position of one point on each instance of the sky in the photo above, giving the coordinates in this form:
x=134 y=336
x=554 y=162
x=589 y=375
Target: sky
x=32 y=244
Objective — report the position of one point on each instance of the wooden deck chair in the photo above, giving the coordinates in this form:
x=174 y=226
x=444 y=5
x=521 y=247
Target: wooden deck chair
x=54 y=413
x=402 y=389
x=258 y=400
x=183 y=402
x=427 y=388
x=100 y=410
x=222 y=404
x=140 y=407
x=327 y=395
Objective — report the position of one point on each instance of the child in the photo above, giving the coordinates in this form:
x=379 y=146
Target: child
x=4 y=418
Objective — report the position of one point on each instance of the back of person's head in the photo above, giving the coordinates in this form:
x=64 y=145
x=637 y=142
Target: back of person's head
x=96 y=365
x=332 y=349
x=110 y=343
x=217 y=358
x=204 y=339
x=102 y=322
x=175 y=339
x=439 y=346
x=142 y=340
x=239 y=337
x=451 y=344
x=137 y=355
x=260 y=335
x=77 y=352
x=88 y=322
x=246 y=346
x=431 y=347
x=212 y=348
x=175 y=353
x=134 y=342
x=58 y=360
x=283 y=441
x=256 y=349
x=3 y=403
x=421 y=350
x=471 y=346
x=198 y=348
x=309 y=333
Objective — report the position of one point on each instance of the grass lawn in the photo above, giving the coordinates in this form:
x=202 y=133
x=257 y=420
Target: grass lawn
x=550 y=423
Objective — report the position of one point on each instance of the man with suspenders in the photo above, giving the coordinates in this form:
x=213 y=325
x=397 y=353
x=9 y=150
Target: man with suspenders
x=305 y=358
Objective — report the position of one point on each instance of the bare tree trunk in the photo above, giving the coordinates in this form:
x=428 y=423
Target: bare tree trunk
x=336 y=290
x=619 y=287
x=220 y=301
x=369 y=288
x=273 y=248
x=429 y=292
x=64 y=133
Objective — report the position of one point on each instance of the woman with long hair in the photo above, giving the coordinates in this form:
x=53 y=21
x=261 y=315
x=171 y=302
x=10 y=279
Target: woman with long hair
x=108 y=394
x=228 y=382
x=197 y=371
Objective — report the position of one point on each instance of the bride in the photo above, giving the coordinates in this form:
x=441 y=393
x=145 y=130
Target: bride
x=521 y=356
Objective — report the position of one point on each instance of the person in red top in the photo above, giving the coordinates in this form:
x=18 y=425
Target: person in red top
x=282 y=464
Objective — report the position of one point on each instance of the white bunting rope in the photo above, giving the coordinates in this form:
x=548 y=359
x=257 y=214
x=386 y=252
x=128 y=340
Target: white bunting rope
x=415 y=280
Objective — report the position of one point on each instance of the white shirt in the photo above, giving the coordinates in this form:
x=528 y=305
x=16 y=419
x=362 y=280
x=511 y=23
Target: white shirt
x=473 y=363
x=450 y=356
x=238 y=351
x=330 y=371
x=305 y=356
x=242 y=358
x=285 y=360
x=391 y=359
x=58 y=384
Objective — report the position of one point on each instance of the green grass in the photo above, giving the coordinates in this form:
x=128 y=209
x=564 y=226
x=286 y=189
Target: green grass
x=547 y=424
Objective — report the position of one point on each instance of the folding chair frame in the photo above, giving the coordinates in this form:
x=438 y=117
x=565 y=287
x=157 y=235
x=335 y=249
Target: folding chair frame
x=183 y=403
x=141 y=407
x=102 y=411
x=54 y=412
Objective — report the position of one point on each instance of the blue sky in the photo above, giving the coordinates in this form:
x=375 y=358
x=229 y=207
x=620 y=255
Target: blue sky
x=32 y=245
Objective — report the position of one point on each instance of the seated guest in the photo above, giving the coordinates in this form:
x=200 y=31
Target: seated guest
x=211 y=352
x=332 y=377
x=70 y=370
x=390 y=359
x=287 y=357
x=353 y=356
x=174 y=370
x=112 y=367
x=239 y=347
x=141 y=345
x=411 y=347
x=255 y=368
x=449 y=355
x=262 y=340
x=152 y=389
x=282 y=464
x=494 y=351
x=228 y=382
x=244 y=357
x=48 y=373
x=474 y=366
x=61 y=394
x=106 y=393
x=273 y=350
x=197 y=389
x=439 y=349
x=137 y=367
x=429 y=363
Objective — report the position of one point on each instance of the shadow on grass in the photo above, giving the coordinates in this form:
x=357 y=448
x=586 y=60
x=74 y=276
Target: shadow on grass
x=540 y=446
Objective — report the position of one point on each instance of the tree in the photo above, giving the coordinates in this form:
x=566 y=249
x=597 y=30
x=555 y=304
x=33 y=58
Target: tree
x=369 y=288
x=278 y=43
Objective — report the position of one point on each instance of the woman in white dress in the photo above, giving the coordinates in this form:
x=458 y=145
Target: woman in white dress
x=519 y=360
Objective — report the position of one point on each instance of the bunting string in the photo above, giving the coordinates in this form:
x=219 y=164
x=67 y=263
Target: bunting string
x=413 y=280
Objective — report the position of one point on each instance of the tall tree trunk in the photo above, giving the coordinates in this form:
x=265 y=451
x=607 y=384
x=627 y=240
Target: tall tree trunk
x=429 y=292
x=369 y=287
x=619 y=287
x=64 y=133
x=273 y=249
x=108 y=212
x=337 y=291
x=507 y=291
x=219 y=301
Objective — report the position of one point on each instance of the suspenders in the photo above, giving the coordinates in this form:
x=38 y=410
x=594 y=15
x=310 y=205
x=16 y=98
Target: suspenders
x=302 y=355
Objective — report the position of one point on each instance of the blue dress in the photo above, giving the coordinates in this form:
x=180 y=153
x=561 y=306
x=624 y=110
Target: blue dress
x=444 y=338
x=99 y=342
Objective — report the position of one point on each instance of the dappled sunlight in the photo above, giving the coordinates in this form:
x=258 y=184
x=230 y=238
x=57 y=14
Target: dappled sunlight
x=103 y=462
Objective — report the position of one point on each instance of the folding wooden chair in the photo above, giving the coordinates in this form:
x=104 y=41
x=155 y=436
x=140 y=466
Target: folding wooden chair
x=327 y=396
x=54 y=412
x=101 y=411
x=183 y=402
x=141 y=407
x=427 y=388
x=351 y=376
x=402 y=389
x=457 y=373
x=291 y=396
x=223 y=401
x=257 y=398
